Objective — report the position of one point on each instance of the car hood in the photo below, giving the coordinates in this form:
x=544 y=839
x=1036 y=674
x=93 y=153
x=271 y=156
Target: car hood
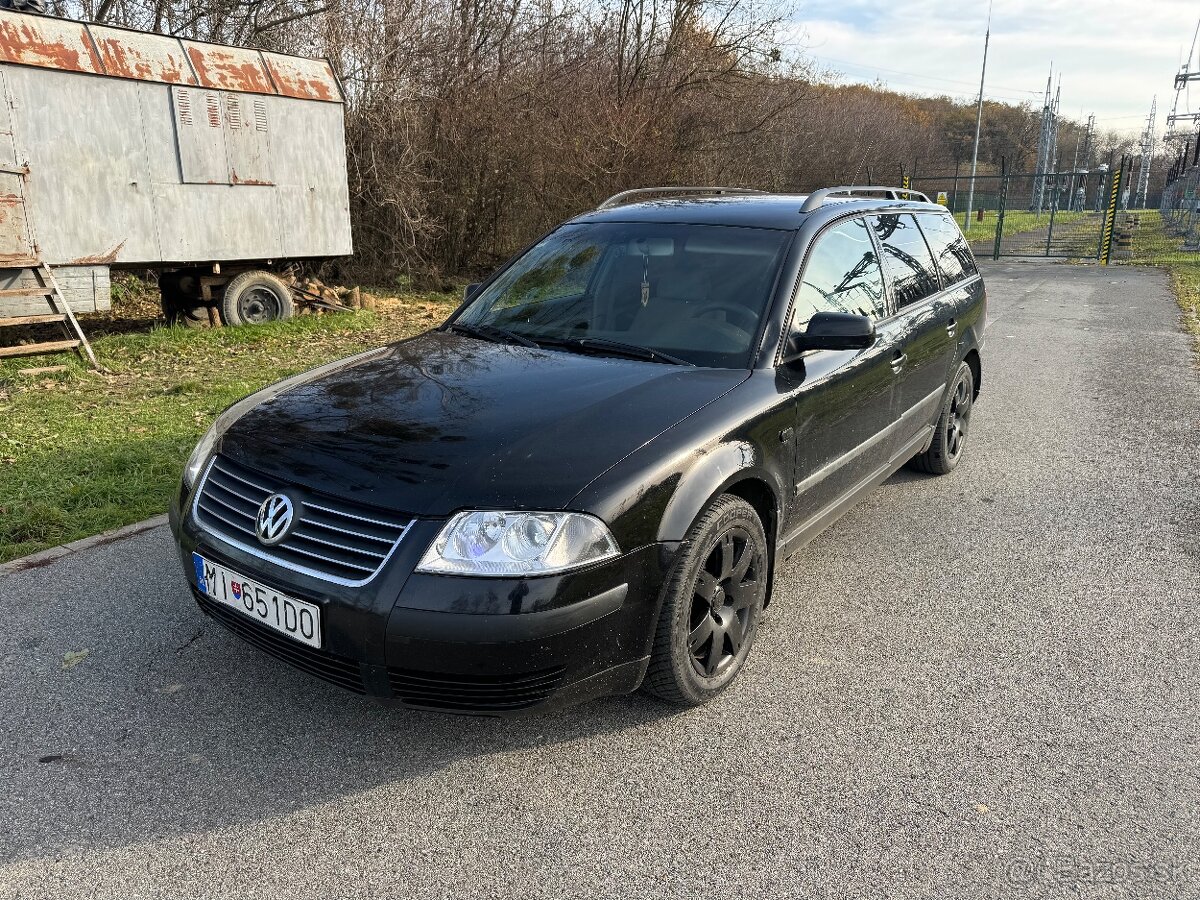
x=444 y=422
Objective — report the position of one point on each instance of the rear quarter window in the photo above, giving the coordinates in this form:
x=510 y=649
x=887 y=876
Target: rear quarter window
x=907 y=262
x=950 y=249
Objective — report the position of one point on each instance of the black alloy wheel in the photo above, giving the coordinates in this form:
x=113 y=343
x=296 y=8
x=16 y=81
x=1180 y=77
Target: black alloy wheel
x=950 y=434
x=959 y=418
x=711 y=605
x=723 y=593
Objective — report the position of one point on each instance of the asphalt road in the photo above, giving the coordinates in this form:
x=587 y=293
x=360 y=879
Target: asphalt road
x=985 y=685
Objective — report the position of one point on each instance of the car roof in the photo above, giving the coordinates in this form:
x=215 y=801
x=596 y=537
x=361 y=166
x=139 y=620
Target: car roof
x=778 y=211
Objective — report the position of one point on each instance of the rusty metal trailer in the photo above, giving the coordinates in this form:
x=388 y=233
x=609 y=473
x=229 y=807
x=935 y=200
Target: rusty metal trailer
x=218 y=166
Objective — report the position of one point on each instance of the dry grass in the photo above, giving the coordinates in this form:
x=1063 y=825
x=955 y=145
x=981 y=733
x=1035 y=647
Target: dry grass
x=81 y=453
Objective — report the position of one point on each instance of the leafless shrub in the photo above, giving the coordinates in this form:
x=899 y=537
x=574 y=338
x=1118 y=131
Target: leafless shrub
x=474 y=125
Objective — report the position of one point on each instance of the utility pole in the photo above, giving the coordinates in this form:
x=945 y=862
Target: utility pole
x=1185 y=76
x=987 y=36
x=1088 y=134
x=1054 y=130
x=1047 y=141
x=1083 y=168
x=1147 y=149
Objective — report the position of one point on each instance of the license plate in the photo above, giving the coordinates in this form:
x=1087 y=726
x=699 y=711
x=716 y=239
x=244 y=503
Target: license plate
x=298 y=619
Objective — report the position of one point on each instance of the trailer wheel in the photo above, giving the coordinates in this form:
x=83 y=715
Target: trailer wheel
x=178 y=307
x=256 y=297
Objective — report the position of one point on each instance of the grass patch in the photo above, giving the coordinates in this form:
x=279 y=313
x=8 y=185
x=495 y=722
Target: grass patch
x=1154 y=246
x=82 y=453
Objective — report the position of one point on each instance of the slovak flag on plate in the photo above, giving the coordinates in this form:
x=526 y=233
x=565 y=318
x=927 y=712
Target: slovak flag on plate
x=237 y=589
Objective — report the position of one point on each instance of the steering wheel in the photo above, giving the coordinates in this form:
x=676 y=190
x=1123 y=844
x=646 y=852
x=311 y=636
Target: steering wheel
x=745 y=319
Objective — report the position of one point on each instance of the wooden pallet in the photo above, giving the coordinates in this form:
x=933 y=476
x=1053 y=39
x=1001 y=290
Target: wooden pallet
x=60 y=311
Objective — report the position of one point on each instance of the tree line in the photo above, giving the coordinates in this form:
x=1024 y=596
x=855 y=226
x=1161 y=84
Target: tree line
x=472 y=126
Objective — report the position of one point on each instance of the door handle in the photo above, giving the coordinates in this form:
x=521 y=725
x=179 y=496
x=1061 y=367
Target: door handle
x=952 y=327
x=899 y=358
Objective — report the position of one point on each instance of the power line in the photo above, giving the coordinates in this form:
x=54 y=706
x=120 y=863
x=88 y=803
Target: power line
x=846 y=62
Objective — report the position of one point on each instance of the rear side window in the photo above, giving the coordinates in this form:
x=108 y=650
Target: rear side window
x=950 y=250
x=907 y=262
x=841 y=275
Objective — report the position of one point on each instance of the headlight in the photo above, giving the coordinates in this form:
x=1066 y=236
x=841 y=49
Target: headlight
x=222 y=424
x=226 y=419
x=517 y=543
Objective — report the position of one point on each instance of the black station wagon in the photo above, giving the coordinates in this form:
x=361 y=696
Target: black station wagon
x=583 y=482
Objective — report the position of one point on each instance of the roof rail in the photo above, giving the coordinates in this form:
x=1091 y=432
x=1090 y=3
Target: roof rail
x=817 y=198
x=618 y=199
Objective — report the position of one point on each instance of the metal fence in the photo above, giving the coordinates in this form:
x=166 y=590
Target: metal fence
x=1180 y=208
x=1047 y=214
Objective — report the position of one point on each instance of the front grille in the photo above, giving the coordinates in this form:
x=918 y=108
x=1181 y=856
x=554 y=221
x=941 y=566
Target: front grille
x=335 y=669
x=474 y=693
x=332 y=538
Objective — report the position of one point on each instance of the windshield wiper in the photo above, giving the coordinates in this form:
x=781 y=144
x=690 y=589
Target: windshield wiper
x=491 y=333
x=618 y=348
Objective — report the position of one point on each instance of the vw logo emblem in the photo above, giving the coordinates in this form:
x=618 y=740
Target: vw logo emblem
x=274 y=520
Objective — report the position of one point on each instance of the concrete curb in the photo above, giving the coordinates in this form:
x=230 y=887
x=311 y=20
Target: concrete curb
x=45 y=557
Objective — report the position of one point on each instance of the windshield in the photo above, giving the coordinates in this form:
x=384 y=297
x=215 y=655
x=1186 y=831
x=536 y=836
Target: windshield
x=689 y=293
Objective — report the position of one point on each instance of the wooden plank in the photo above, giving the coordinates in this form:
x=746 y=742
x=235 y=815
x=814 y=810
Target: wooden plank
x=25 y=293
x=42 y=370
x=37 y=349
x=32 y=320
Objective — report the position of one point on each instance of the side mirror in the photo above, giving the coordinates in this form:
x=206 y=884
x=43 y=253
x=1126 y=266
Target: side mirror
x=832 y=331
x=471 y=290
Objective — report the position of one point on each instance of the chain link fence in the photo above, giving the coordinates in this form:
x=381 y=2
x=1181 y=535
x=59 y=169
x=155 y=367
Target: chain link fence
x=1180 y=208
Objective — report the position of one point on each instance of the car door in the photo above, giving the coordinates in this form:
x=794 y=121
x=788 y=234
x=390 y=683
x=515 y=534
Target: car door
x=956 y=266
x=844 y=400
x=922 y=328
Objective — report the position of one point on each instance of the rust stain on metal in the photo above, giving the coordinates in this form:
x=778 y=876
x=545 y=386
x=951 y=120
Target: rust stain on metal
x=305 y=79
x=234 y=178
x=229 y=68
x=98 y=259
x=144 y=57
x=51 y=43
x=8 y=207
x=47 y=43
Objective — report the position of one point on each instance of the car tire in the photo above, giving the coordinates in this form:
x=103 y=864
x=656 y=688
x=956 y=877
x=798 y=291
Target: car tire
x=950 y=434
x=253 y=298
x=710 y=612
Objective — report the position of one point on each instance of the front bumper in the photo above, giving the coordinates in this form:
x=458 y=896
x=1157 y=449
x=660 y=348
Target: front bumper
x=484 y=646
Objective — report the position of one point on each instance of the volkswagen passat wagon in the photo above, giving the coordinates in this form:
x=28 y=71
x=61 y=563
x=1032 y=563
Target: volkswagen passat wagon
x=583 y=481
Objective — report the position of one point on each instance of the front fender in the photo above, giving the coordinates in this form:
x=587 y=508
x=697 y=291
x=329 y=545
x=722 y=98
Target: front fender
x=711 y=475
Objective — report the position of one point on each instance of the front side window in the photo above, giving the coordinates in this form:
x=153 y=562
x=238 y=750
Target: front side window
x=950 y=249
x=907 y=262
x=695 y=292
x=841 y=275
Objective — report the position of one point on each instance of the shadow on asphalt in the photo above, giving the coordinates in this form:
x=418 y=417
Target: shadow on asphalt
x=172 y=725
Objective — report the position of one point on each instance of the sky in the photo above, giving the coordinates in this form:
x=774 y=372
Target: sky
x=1113 y=56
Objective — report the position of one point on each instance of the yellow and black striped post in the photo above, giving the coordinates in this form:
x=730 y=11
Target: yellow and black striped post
x=1110 y=214
x=906 y=182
